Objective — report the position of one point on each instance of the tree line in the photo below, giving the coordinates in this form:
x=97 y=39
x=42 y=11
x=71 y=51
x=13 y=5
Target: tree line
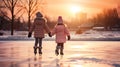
x=12 y=13
x=12 y=10
x=108 y=18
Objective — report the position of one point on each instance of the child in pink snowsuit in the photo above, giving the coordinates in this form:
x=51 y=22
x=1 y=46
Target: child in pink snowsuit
x=61 y=31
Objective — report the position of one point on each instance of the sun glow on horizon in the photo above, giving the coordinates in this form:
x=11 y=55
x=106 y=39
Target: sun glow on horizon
x=75 y=9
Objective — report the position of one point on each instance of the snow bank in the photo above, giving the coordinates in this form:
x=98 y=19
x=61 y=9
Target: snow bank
x=88 y=35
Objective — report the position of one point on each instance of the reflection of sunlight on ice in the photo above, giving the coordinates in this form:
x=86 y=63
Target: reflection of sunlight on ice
x=96 y=65
x=77 y=66
x=90 y=65
x=76 y=55
x=76 y=46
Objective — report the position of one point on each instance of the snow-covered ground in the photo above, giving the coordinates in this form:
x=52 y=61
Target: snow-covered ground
x=87 y=35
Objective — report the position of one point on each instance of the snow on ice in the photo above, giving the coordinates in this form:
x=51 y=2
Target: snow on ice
x=87 y=35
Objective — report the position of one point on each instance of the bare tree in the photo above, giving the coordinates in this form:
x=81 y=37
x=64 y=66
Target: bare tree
x=10 y=5
x=108 y=18
x=31 y=6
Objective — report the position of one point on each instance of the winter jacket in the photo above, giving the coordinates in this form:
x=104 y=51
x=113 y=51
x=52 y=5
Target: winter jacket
x=38 y=27
x=61 y=31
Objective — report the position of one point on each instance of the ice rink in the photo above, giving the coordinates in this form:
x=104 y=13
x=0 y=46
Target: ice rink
x=77 y=54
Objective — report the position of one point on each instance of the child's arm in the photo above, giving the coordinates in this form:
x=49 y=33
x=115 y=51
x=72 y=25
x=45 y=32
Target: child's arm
x=53 y=31
x=46 y=26
x=69 y=37
x=67 y=33
x=31 y=30
x=32 y=27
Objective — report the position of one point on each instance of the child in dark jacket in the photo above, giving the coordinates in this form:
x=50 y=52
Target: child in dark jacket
x=38 y=28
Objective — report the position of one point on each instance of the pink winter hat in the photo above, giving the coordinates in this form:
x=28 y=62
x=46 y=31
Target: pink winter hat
x=60 y=20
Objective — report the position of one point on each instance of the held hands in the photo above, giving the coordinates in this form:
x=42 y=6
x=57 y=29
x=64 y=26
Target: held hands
x=69 y=38
x=49 y=34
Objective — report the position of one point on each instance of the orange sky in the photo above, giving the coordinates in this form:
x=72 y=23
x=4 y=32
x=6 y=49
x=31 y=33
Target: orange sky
x=91 y=7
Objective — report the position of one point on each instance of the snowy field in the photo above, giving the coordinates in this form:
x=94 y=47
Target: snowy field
x=88 y=35
x=77 y=54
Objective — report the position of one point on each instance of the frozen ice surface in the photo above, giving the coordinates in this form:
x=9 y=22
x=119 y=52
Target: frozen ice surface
x=77 y=54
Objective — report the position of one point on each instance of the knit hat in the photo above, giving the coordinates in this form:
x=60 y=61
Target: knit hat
x=38 y=14
x=60 y=20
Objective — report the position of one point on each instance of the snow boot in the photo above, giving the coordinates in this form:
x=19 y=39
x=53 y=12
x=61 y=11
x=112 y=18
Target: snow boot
x=40 y=50
x=61 y=51
x=35 y=50
x=56 y=52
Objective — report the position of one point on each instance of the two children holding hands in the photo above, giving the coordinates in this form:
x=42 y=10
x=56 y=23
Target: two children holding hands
x=60 y=31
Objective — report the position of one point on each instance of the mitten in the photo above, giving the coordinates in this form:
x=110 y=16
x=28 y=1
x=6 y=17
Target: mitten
x=29 y=34
x=68 y=37
x=49 y=34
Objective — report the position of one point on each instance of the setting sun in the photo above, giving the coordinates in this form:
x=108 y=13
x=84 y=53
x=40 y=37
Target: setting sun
x=75 y=9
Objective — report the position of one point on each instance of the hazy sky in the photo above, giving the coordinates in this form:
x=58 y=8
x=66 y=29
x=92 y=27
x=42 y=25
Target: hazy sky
x=91 y=7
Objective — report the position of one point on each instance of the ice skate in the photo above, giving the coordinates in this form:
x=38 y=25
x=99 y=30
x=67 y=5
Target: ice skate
x=35 y=50
x=61 y=53
x=40 y=50
x=56 y=52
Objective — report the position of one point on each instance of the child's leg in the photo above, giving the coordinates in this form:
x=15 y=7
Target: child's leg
x=35 y=46
x=61 y=48
x=40 y=45
x=57 y=49
x=36 y=41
